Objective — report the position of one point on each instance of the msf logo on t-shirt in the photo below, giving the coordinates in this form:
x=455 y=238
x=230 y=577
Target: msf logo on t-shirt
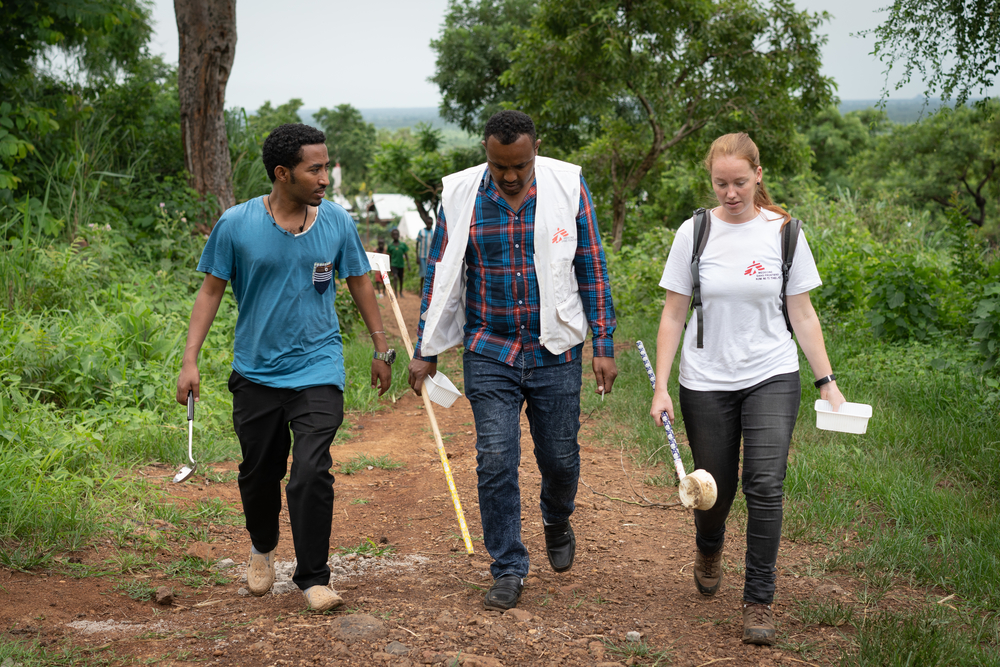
x=757 y=270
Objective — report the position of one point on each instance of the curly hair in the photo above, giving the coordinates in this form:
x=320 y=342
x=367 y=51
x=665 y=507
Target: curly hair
x=508 y=125
x=283 y=145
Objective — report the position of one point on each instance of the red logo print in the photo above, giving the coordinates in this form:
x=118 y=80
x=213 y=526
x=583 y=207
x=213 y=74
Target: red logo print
x=753 y=269
x=559 y=235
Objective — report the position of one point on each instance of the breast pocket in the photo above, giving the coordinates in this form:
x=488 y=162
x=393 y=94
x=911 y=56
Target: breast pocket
x=322 y=276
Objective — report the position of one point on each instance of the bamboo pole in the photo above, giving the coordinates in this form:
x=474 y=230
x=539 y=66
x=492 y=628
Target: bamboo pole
x=429 y=408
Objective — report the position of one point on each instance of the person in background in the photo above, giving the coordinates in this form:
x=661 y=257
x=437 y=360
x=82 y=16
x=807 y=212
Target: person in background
x=399 y=260
x=281 y=252
x=517 y=274
x=743 y=382
x=424 y=237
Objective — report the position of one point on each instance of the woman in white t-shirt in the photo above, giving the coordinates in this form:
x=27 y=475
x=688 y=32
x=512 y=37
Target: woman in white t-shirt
x=744 y=381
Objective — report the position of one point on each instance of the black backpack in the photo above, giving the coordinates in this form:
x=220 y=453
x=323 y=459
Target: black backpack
x=702 y=226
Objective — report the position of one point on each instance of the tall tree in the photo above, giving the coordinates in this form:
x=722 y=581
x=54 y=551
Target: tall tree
x=951 y=158
x=207 y=30
x=625 y=82
x=472 y=52
x=350 y=140
x=952 y=45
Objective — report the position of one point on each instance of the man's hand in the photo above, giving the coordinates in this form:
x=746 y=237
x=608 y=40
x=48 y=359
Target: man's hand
x=605 y=372
x=189 y=380
x=381 y=376
x=418 y=371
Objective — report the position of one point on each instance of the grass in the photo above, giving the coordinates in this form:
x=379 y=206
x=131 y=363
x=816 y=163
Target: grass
x=368 y=462
x=367 y=547
x=641 y=652
x=914 y=496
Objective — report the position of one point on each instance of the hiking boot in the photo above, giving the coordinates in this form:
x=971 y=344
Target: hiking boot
x=260 y=573
x=758 y=624
x=708 y=572
x=560 y=545
x=504 y=593
x=322 y=598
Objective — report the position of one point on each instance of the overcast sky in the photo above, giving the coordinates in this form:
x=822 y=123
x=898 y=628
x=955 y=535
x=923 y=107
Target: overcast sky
x=376 y=53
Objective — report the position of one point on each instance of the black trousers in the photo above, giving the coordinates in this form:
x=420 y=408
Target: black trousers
x=262 y=417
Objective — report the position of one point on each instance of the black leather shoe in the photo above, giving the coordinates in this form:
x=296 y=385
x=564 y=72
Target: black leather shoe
x=560 y=545
x=504 y=593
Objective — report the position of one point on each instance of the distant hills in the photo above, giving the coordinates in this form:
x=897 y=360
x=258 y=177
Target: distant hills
x=899 y=111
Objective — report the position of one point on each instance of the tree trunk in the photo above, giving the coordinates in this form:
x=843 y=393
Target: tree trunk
x=618 y=219
x=207 y=30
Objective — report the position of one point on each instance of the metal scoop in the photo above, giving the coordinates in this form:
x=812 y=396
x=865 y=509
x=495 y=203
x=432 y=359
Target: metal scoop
x=185 y=471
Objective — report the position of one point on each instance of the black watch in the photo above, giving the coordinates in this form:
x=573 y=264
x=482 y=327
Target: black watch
x=388 y=356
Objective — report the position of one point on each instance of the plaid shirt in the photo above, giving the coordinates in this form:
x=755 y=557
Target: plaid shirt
x=502 y=299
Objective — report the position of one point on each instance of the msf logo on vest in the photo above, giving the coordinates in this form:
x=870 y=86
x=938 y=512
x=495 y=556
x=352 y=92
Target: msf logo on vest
x=559 y=235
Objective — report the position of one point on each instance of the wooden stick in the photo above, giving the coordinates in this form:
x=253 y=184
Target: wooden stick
x=429 y=408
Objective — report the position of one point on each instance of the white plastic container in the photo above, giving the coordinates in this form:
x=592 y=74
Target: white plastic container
x=852 y=417
x=441 y=390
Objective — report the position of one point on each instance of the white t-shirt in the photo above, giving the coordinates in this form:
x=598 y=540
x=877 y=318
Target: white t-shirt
x=745 y=340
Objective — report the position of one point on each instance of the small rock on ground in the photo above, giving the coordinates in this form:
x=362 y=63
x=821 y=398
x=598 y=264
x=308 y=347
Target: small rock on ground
x=164 y=595
x=358 y=627
x=396 y=648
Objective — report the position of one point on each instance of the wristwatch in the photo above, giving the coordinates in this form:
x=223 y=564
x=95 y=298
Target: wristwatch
x=388 y=356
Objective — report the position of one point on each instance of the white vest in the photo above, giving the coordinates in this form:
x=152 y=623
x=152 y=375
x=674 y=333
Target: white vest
x=557 y=204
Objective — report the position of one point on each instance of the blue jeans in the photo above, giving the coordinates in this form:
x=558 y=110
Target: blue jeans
x=764 y=415
x=497 y=393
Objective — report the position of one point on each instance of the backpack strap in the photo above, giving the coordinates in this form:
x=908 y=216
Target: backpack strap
x=789 y=239
x=702 y=226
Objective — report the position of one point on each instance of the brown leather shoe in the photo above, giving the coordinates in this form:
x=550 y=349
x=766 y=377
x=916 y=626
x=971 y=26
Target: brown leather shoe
x=758 y=624
x=708 y=571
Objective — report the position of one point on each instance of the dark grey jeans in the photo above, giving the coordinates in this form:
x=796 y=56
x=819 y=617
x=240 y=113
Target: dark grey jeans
x=764 y=416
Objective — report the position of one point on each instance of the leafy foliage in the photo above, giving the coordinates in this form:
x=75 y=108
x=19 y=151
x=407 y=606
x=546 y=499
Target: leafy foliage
x=954 y=150
x=903 y=298
x=474 y=50
x=415 y=165
x=351 y=142
x=952 y=45
x=627 y=82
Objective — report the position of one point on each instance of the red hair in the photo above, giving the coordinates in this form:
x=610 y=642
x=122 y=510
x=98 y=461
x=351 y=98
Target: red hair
x=740 y=145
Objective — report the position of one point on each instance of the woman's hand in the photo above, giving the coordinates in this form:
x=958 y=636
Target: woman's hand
x=830 y=392
x=661 y=403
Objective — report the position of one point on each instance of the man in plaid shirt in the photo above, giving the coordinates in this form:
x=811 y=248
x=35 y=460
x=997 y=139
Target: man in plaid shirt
x=517 y=241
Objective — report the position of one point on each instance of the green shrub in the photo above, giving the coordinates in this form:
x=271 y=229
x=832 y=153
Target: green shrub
x=986 y=319
x=635 y=273
x=903 y=298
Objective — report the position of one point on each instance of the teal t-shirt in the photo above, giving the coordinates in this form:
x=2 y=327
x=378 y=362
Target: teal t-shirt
x=287 y=332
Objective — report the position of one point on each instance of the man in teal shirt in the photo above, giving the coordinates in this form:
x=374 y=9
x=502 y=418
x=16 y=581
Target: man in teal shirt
x=280 y=253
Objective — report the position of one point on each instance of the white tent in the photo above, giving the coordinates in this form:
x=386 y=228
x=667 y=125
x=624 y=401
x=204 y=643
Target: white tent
x=410 y=225
x=392 y=206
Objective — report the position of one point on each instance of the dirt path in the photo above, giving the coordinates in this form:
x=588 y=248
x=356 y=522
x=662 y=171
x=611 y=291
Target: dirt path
x=632 y=573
